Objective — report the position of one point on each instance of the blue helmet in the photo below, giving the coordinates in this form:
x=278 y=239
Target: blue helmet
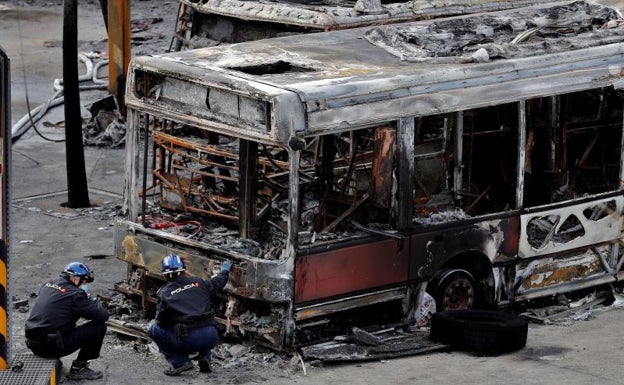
x=172 y=264
x=79 y=269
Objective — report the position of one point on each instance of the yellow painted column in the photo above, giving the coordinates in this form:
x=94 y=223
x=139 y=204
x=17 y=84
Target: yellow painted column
x=118 y=45
x=5 y=157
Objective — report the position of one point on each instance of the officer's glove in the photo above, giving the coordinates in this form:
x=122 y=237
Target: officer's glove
x=180 y=331
x=226 y=265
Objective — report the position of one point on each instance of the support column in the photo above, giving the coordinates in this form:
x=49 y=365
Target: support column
x=5 y=212
x=247 y=165
x=405 y=173
x=118 y=48
x=521 y=153
x=77 y=191
x=458 y=172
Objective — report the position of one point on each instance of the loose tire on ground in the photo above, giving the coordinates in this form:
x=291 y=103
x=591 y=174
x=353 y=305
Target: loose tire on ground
x=482 y=331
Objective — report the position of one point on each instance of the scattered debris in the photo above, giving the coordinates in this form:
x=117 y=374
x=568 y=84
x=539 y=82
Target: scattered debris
x=128 y=329
x=21 y=305
x=386 y=343
x=424 y=312
x=565 y=314
x=106 y=126
x=362 y=337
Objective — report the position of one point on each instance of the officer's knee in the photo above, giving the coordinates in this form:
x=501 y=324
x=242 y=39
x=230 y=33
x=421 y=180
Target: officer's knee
x=100 y=328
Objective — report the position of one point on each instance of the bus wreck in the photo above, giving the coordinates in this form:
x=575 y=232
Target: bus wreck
x=205 y=23
x=475 y=157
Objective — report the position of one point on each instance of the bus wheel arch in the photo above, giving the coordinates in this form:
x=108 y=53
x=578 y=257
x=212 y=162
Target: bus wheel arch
x=465 y=281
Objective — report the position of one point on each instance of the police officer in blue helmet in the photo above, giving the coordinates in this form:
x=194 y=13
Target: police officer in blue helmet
x=184 y=321
x=51 y=330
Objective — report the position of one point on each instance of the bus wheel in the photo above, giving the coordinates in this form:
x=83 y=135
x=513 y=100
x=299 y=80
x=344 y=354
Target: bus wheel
x=453 y=289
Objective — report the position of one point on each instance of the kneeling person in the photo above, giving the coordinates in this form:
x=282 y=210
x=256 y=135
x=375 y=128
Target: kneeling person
x=51 y=330
x=184 y=316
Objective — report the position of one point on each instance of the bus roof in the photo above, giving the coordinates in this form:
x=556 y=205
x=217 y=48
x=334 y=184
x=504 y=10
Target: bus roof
x=341 y=14
x=364 y=76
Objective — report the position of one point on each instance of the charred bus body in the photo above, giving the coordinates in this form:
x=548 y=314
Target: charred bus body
x=348 y=171
x=205 y=23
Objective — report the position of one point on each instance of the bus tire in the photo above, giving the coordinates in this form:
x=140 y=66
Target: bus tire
x=482 y=331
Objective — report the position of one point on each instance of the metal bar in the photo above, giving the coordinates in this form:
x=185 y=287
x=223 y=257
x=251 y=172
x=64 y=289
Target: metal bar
x=405 y=172
x=144 y=188
x=118 y=44
x=520 y=167
x=247 y=164
x=347 y=212
x=458 y=172
x=621 y=184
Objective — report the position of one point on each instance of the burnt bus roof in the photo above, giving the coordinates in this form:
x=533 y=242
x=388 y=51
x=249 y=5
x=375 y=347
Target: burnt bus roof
x=340 y=14
x=333 y=81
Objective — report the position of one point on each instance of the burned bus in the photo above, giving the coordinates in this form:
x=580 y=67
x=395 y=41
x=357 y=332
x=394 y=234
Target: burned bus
x=477 y=158
x=205 y=23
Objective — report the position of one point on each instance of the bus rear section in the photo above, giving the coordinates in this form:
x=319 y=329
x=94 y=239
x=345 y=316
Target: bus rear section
x=348 y=172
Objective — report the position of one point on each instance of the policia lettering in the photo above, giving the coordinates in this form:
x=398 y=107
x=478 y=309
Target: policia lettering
x=186 y=287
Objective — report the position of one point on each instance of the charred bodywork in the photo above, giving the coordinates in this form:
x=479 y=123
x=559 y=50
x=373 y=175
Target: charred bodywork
x=352 y=169
x=204 y=23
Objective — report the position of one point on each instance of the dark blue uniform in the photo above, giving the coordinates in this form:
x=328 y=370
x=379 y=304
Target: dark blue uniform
x=51 y=330
x=185 y=304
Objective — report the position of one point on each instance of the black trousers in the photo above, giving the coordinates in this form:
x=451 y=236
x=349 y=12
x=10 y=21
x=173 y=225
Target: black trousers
x=87 y=337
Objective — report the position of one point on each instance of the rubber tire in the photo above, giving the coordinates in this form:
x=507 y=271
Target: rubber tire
x=483 y=331
x=444 y=279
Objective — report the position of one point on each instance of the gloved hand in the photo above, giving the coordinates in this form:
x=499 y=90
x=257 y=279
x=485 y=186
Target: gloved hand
x=226 y=265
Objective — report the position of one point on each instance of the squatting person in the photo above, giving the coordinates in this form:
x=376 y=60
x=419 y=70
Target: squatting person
x=51 y=330
x=184 y=321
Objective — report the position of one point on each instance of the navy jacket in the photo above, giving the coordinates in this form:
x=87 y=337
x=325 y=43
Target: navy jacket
x=59 y=305
x=187 y=300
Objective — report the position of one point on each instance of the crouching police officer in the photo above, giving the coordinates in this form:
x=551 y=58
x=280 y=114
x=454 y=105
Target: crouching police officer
x=51 y=330
x=184 y=316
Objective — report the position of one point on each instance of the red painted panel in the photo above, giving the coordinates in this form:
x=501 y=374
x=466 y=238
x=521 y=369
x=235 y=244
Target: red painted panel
x=350 y=269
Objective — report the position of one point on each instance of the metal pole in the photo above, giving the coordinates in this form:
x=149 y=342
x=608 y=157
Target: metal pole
x=118 y=18
x=77 y=192
x=5 y=212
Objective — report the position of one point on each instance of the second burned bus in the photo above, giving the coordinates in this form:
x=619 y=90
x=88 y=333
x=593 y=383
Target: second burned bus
x=344 y=173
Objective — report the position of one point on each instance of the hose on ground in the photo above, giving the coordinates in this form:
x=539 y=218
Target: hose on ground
x=33 y=116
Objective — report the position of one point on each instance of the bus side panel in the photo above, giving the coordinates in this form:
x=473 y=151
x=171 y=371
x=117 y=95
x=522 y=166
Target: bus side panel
x=495 y=239
x=571 y=227
x=350 y=269
x=570 y=247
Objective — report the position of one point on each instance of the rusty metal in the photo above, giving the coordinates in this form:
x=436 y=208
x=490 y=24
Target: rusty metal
x=382 y=168
x=349 y=269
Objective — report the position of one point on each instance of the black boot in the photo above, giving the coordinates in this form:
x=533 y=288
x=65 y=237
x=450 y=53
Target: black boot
x=80 y=371
x=58 y=370
x=204 y=364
